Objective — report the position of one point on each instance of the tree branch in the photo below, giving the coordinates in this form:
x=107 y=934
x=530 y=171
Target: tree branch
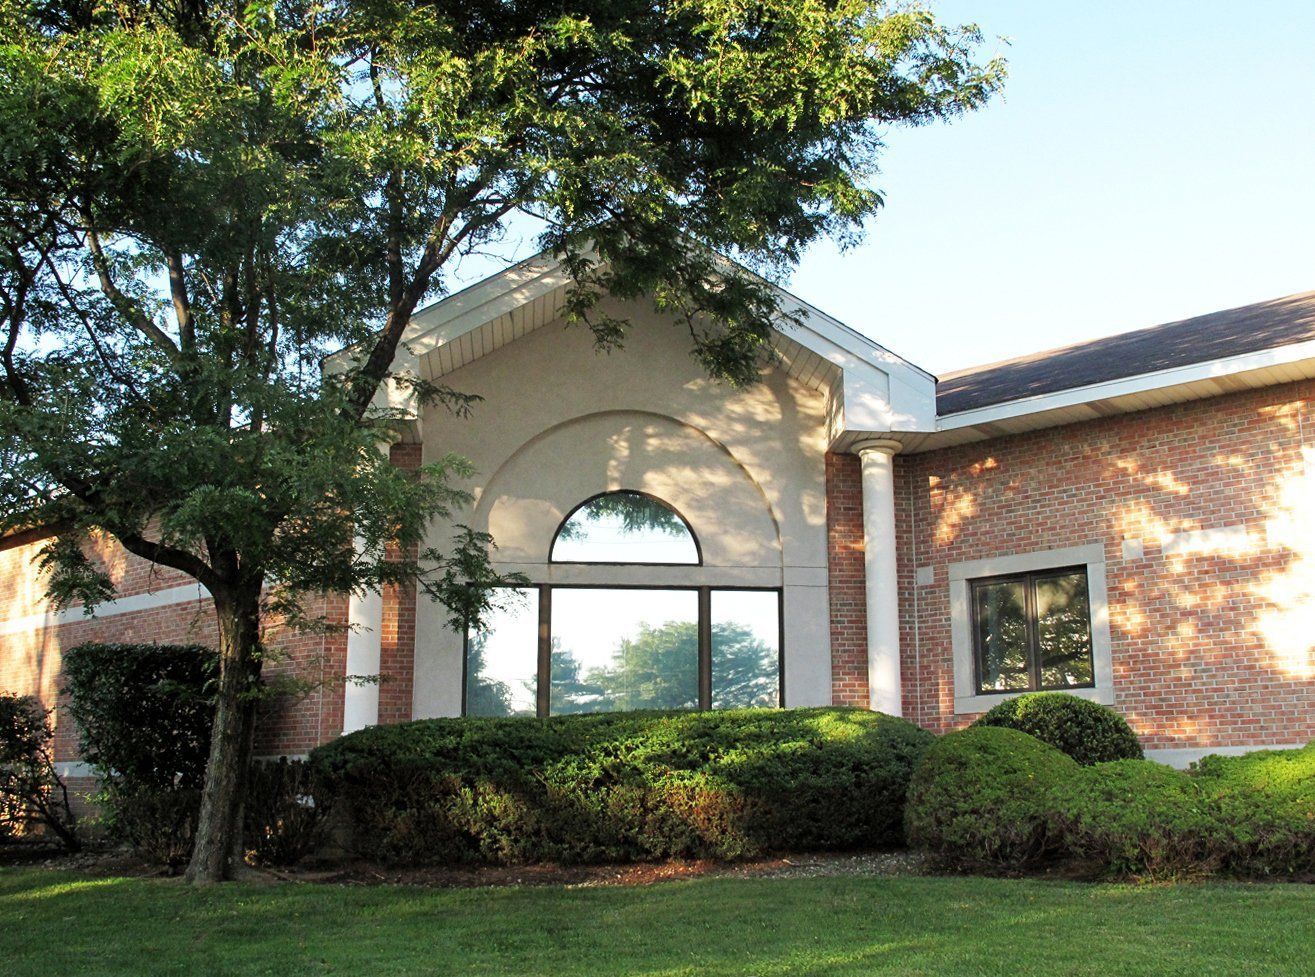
x=181 y=301
x=439 y=247
x=124 y=305
x=170 y=556
x=101 y=352
x=14 y=312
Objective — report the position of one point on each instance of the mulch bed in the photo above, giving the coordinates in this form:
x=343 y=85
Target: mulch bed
x=353 y=872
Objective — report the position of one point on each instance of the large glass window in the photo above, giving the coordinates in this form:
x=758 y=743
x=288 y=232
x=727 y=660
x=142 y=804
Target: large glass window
x=624 y=527
x=607 y=649
x=553 y=650
x=623 y=649
x=746 y=648
x=1033 y=631
x=502 y=669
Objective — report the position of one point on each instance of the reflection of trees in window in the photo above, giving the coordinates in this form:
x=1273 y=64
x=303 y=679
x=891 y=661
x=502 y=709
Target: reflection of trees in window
x=1064 y=631
x=1033 y=631
x=659 y=669
x=1002 y=639
x=745 y=669
x=631 y=512
x=572 y=691
x=484 y=696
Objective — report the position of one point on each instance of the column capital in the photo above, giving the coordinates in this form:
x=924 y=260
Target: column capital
x=885 y=446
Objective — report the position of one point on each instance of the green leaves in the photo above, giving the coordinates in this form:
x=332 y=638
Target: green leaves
x=199 y=202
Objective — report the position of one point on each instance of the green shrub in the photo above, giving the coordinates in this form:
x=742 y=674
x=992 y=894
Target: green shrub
x=983 y=797
x=1086 y=731
x=31 y=793
x=622 y=786
x=144 y=711
x=144 y=714
x=281 y=822
x=159 y=823
x=1138 y=818
x=1266 y=802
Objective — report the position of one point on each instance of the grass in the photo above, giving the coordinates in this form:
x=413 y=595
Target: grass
x=53 y=923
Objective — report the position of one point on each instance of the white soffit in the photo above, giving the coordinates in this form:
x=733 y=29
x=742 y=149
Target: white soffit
x=819 y=352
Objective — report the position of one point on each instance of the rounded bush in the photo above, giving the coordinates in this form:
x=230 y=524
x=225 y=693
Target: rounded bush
x=983 y=796
x=1086 y=731
x=1137 y=818
x=621 y=786
x=1266 y=806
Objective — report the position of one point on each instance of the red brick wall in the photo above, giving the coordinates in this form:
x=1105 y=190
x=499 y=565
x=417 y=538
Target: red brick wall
x=845 y=578
x=397 y=641
x=1209 y=649
x=30 y=658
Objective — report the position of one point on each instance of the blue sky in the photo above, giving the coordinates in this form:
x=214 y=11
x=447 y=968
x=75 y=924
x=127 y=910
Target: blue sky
x=1147 y=161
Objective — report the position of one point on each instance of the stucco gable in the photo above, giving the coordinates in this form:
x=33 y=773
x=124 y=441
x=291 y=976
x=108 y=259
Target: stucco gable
x=869 y=388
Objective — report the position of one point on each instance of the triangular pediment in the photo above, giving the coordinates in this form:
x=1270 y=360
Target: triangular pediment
x=871 y=389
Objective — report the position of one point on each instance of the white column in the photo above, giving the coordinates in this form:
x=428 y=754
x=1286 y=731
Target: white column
x=884 y=688
x=365 y=617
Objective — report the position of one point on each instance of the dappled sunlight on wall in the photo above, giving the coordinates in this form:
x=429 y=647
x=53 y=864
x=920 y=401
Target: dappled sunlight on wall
x=954 y=504
x=1206 y=513
x=1163 y=481
x=525 y=500
x=1289 y=623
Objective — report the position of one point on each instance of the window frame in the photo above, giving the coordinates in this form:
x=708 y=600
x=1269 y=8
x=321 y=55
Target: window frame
x=968 y=700
x=1029 y=581
x=557 y=533
x=543 y=675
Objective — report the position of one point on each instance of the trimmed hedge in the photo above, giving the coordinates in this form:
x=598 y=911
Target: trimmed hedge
x=1265 y=804
x=995 y=797
x=983 y=796
x=143 y=711
x=1086 y=731
x=1136 y=817
x=144 y=714
x=621 y=786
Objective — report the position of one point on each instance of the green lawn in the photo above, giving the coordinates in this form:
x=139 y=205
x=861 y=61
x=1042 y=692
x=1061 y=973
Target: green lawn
x=54 y=923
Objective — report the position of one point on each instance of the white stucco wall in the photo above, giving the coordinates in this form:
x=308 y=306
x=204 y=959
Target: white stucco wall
x=560 y=423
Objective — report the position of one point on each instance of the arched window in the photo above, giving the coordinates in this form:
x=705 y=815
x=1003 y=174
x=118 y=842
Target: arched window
x=596 y=645
x=624 y=527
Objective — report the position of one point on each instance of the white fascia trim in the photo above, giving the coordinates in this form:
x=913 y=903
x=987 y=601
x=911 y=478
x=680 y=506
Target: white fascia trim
x=884 y=391
x=453 y=317
x=184 y=594
x=840 y=338
x=1141 y=383
x=436 y=314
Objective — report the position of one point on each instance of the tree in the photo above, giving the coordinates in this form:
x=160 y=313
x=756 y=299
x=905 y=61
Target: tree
x=745 y=669
x=199 y=200
x=573 y=691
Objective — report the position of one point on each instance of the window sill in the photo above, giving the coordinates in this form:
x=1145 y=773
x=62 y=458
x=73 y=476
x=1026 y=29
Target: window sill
x=965 y=705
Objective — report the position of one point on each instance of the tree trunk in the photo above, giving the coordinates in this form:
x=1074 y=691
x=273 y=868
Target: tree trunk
x=219 y=825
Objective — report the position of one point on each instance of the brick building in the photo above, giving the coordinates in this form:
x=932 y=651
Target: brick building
x=1131 y=520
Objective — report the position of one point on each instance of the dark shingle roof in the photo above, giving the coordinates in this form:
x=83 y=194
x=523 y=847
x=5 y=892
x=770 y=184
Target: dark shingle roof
x=1248 y=329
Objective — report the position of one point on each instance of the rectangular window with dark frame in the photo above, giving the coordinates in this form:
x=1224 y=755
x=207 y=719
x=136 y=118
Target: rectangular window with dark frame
x=556 y=650
x=1032 y=631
